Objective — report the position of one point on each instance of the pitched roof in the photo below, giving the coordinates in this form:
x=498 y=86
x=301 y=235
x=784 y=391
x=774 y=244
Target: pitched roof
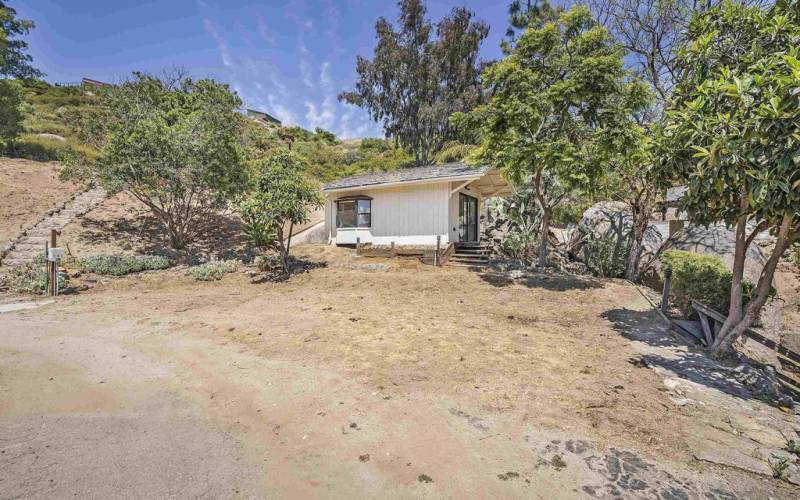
x=426 y=173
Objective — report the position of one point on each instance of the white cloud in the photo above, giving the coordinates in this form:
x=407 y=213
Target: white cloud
x=325 y=74
x=222 y=45
x=264 y=30
x=305 y=67
x=323 y=116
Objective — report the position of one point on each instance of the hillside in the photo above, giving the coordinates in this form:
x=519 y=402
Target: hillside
x=59 y=119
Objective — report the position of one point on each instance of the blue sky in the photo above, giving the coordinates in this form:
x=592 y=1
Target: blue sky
x=290 y=58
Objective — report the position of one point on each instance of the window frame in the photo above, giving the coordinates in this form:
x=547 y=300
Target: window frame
x=362 y=206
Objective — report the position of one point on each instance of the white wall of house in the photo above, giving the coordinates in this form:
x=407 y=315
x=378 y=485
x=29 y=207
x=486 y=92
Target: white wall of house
x=413 y=214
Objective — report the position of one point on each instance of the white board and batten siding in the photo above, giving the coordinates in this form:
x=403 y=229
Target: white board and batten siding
x=406 y=215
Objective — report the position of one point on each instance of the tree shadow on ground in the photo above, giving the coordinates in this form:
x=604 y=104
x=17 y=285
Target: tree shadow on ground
x=219 y=238
x=552 y=282
x=297 y=265
x=684 y=361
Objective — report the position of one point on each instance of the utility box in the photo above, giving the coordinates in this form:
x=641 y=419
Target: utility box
x=55 y=254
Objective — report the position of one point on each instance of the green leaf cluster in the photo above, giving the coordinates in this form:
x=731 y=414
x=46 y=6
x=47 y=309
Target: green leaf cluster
x=732 y=134
x=280 y=197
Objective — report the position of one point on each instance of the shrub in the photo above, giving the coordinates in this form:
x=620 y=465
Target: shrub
x=120 y=265
x=29 y=278
x=703 y=278
x=214 y=270
x=606 y=256
x=569 y=213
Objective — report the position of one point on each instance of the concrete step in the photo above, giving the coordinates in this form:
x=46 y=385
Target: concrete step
x=469 y=259
x=466 y=264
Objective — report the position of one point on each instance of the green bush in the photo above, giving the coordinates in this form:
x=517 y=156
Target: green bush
x=120 y=265
x=606 y=256
x=569 y=213
x=703 y=278
x=29 y=278
x=214 y=270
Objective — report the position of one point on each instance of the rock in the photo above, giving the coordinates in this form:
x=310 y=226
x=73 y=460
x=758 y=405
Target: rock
x=52 y=136
x=763 y=382
x=611 y=220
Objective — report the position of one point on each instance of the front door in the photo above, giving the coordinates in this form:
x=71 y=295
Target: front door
x=467 y=218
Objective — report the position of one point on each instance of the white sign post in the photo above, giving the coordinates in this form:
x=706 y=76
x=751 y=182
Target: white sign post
x=54 y=255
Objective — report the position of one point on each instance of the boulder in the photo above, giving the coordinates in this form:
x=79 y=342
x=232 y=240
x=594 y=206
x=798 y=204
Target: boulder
x=611 y=221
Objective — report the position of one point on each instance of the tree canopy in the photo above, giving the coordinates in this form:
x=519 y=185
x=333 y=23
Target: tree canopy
x=419 y=75
x=280 y=197
x=733 y=133
x=174 y=144
x=15 y=62
x=555 y=98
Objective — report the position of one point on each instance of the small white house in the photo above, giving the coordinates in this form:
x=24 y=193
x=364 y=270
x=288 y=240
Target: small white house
x=410 y=206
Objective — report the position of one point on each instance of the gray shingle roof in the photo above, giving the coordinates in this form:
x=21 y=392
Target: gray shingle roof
x=429 y=172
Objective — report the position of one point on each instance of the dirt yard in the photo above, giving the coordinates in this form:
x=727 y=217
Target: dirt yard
x=370 y=378
x=27 y=190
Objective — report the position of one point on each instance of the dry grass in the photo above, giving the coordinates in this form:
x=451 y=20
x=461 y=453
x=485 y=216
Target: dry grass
x=549 y=348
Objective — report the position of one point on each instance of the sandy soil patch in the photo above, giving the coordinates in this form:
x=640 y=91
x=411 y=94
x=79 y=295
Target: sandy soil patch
x=27 y=190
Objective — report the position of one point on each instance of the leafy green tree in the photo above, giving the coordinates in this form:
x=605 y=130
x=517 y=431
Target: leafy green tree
x=172 y=143
x=733 y=135
x=555 y=100
x=281 y=197
x=11 y=114
x=415 y=81
x=629 y=175
x=14 y=61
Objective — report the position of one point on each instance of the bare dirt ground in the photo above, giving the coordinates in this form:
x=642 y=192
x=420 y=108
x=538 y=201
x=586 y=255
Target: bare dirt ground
x=27 y=190
x=362 y=380
x=122 y=224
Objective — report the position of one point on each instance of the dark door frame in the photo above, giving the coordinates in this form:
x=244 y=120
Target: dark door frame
x=464 y=232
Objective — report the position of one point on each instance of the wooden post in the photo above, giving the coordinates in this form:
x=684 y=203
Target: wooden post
x=358 y=245
x=46 y=269
x=438 y=246
x=392 y=248
x=665 y=292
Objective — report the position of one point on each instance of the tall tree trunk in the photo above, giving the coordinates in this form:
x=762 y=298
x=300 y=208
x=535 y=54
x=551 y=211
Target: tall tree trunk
x=640 y=218
x=737 y=277
x=546 y=214
x=543 y=236
x=723 y=345
x=282 y=249
x=288 y=245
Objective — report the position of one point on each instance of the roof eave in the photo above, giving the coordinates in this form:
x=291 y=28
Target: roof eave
x=406 y=183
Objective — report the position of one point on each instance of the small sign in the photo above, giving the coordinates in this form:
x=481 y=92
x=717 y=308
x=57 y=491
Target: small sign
x=55 y=254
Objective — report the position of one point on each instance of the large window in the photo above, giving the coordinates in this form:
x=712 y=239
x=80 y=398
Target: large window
x=354 y=213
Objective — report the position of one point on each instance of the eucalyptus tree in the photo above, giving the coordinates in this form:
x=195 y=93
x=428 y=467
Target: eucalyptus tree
x=419 y=75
